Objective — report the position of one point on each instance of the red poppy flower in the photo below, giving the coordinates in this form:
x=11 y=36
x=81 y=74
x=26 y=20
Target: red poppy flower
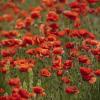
x=58 y=50
x=24 y=93
x=28 y=40
x=45 y=72
x=92 y=80
x=35 y=14
x=8 y=17
x=57 y=43
x=66 y=79
x=87 y=77
x=8 y=52
x=97 y=72
x=72 y=90
x=48 y=3
x=14 y=82
x=10 y=34
x=85 y=70
x=71 y=15
x=69 y=45
x=2 y=90
x=74 y=4
x=20 y=24
x=30 y=51
x=59 y=72
x=68 y=64
x=54 y=26
x=52 y=16
x=95 y=51
x=24 y=65
x=84 y=59
x=10 y=42
x=38 y=90
x=28 y=21
x=57 y=63
x=97 y=10
x=3 y=70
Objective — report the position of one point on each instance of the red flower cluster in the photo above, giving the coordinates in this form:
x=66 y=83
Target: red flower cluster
x=46 y=43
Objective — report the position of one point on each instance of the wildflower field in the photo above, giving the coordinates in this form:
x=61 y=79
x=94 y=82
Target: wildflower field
x=49 y=49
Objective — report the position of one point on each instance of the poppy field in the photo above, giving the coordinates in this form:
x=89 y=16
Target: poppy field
x=49 y=49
